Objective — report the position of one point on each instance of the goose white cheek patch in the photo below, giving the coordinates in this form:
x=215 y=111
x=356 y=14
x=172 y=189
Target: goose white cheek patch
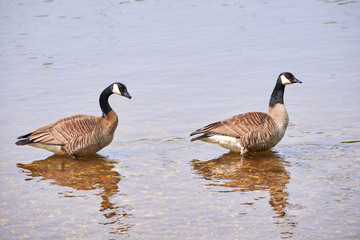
x=116 y=89
x=284 y=80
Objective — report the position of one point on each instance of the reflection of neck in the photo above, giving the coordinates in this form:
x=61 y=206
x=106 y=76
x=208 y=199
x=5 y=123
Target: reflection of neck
x=278 y=199
x=277 y=95
x=104 y=101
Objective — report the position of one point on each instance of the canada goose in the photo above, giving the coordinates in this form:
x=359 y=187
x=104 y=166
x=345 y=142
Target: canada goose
x=252 y=131
x=79 y=135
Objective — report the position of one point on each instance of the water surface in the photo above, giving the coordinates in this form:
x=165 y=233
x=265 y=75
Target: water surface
x=186 y=64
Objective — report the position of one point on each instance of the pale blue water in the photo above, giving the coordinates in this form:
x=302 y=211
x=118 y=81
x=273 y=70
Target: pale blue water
x=186 y=64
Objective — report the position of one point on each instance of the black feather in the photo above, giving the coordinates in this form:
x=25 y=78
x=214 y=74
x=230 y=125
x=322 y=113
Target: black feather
x=24 y=141
x=25 y=136
x=204 y=135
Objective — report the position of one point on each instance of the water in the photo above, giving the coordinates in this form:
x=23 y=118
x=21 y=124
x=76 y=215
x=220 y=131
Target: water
x=186 y=64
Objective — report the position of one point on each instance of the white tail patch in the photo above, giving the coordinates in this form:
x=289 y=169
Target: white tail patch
x=116 y=89
x=52 y=148
x=285 y=80
x=227 y=142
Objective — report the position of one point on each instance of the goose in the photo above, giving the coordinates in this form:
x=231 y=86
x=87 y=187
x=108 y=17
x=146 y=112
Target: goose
x=252 y=131
x=79 y=135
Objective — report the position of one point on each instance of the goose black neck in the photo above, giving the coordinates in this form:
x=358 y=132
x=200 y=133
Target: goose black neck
x=277 y=95
x=104 y=101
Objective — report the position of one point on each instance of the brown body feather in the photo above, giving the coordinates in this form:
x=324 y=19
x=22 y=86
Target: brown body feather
x=254 y=131
x=78 y=135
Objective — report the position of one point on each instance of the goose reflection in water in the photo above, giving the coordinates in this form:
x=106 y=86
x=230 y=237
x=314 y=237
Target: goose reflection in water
x=96 y=172
x=257 y=171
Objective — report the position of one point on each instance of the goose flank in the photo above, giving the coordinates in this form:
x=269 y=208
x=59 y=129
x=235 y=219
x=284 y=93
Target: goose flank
x=79 y=135
x=252 y=131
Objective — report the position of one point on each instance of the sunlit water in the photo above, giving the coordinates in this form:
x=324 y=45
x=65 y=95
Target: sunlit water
x=186 y=64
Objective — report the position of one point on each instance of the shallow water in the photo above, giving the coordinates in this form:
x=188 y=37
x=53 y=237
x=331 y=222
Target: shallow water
x=186 y=64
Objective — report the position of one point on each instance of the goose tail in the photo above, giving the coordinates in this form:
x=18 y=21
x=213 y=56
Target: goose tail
x=202 y=136
x=23 y=140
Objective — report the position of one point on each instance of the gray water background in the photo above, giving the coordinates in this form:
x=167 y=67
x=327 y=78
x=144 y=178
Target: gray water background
x=186 y=64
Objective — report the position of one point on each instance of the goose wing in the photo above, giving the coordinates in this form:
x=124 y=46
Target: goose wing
x=64 y=130
x=238 y=126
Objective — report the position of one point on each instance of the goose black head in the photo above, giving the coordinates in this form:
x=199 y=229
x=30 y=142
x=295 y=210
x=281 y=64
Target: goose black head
x=120 y=89
x=288 y=78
